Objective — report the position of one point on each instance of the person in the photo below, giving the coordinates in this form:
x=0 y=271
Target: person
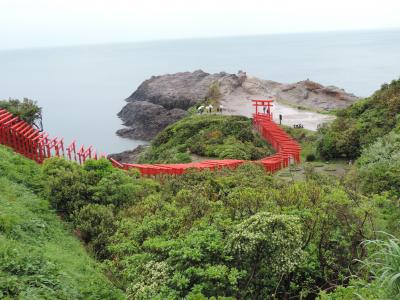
x=264 y=109
x=200 y=109
x=280 y=119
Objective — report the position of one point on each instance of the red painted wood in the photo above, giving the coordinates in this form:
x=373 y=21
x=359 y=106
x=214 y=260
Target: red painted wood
x=36 y=145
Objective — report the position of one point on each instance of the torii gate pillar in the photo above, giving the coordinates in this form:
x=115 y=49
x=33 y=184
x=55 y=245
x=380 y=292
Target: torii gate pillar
x=266 y=104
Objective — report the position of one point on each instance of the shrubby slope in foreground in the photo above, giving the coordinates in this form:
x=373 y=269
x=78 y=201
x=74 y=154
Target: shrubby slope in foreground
x=235 y=234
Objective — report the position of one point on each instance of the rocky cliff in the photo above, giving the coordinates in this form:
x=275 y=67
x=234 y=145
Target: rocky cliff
x=163 y=100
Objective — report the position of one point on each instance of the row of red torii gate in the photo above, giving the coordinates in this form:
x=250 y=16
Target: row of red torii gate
x=38 y=145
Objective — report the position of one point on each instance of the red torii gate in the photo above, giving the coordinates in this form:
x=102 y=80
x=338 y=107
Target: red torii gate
x=266 y=105
x=36 y=145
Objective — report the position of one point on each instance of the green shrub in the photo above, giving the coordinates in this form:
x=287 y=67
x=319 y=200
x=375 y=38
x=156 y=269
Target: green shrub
x=208 y=135
x=27 y=110
x=95 y=224
x=379 y=165
x=268 y=247
x=65 y=185
x=310 y=157
x=361 y=124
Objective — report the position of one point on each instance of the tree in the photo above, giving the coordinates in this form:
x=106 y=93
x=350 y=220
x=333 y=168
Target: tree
x=27 y=110
x=268 y=247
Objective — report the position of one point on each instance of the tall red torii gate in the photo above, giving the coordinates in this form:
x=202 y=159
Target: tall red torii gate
x=38 y=146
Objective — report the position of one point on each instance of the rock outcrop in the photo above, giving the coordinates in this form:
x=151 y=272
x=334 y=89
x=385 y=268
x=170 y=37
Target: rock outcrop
x=163 y=100
x=306 y=94
x=145 y=119
x=129 y=156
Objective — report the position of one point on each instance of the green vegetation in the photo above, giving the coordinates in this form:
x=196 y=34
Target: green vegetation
x=235 y=234
x=214 y=136
x=308 y=141
x=383 y=266
x=361 y=124
x=27 y=109
x=369 y=131
x=229 y=234
x=39 y=257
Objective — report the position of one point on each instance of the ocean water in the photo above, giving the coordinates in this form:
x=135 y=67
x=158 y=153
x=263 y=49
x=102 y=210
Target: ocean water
x=82 y=88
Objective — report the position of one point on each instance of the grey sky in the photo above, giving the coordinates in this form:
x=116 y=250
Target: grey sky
x=32 y=23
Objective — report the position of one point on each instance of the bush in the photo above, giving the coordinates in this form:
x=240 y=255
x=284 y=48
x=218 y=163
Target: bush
x=27 y=110
x=361 y=124
x=65 y=185
x=210 y=135
x=310 y=157
x=379 y=165
x=95 y=224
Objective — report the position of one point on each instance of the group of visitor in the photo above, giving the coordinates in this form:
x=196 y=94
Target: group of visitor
x=208 y=109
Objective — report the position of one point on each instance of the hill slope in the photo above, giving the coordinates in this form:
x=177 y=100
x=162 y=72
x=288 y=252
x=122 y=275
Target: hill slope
x=362 y=123
x=39 y=257
x=216 y=136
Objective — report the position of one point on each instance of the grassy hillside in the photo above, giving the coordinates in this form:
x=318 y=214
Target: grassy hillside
x=214 y=136
x=39 y=257
x=362 y=123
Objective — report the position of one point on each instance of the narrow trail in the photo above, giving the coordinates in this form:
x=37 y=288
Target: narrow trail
x=36 y=145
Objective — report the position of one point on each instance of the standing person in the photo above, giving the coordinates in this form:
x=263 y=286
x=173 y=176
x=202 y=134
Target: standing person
x=200 y=109
x=280 y=119
x=264 y=109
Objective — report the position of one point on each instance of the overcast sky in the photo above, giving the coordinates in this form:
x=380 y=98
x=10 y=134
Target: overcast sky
x=33 y=23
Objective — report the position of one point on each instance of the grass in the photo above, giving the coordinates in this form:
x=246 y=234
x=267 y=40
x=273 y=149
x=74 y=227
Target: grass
x=384 y=263
x=39 y=256
x=214 y=136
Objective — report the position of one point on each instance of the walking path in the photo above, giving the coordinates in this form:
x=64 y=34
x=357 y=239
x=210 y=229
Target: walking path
x=38 y=146
x=241 y=104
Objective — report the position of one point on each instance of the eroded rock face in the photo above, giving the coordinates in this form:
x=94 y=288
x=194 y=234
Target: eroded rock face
x=312 y=95
x=145 y=119
x=163 y=100
x=129 y=156
x=180 y=90
x=307 y=94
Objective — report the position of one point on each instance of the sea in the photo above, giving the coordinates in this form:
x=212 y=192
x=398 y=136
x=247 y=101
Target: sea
x=82 y=88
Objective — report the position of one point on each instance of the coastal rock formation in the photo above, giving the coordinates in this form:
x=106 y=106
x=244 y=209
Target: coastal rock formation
x=145 y=119
x=163 y=100
x=305 y=94
x=128 y=156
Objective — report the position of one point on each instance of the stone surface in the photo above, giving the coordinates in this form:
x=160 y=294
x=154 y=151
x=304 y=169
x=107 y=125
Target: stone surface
x=163 y=100
x=129 y=156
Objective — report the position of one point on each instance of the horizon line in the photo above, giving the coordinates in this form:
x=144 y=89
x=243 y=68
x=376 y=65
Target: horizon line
x=146 y=41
